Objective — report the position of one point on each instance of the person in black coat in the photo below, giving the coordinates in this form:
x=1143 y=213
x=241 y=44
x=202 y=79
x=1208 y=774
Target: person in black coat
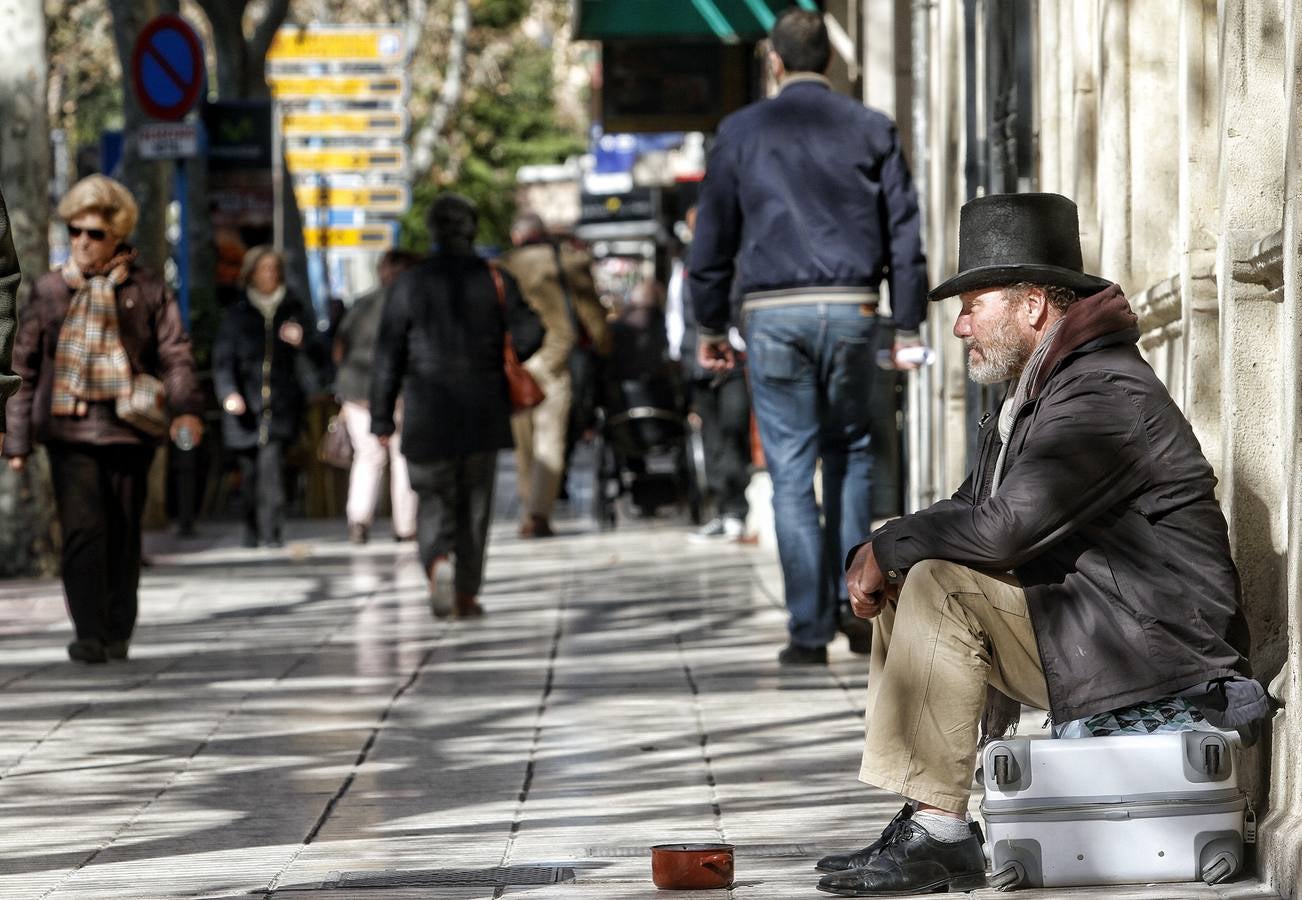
x=440 y=344
x=261 y=345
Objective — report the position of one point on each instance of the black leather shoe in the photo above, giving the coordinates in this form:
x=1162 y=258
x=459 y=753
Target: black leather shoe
x=87 y=650
x=861 y=858
x=116 y=649
x=913 y=862
x=800 y=655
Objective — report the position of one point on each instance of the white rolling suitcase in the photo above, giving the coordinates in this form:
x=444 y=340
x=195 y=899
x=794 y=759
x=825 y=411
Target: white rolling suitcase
x=1113 y=810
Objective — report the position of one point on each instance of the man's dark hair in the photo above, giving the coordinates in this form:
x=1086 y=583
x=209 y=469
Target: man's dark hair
x=454 y=222
x=1057 y=295
x=400 y=259
x=800 y=40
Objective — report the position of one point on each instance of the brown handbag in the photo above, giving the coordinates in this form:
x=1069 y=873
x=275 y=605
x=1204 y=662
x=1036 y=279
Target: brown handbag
x=524 y=390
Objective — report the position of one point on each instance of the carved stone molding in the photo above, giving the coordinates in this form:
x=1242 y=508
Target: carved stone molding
x=1159 y=306
x=1264 y=266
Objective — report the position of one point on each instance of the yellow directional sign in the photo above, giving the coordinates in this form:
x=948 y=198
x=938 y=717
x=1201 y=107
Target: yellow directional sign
x=343 y=124
x=363 y=159
x=335 y=87
x=388 y=199
x=294 y=44
x=364 y=237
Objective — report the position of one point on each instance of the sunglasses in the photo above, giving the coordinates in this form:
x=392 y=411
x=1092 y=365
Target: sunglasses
x=95 y=234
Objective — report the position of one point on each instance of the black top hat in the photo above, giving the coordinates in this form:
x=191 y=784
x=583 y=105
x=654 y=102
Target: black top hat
x=1004 y=239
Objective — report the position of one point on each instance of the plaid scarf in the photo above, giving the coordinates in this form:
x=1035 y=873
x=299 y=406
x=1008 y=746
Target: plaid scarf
x=89 y=361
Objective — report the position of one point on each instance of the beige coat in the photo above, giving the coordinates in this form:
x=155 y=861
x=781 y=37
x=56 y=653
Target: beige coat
x=534 y=267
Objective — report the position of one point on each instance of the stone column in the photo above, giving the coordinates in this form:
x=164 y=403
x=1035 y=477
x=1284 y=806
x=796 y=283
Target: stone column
x=1114 y=137
x=1252 y=145
x=1198 y=131
x=1085 y=127
x=1281 y=834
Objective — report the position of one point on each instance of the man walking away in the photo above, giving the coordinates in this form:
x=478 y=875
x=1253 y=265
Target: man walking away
x=440 y=346
x=557 y=285
x=809 y=205
x=354 y=350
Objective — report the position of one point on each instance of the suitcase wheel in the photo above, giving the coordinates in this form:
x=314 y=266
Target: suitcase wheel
x=1219 y=869
x=1010 y=877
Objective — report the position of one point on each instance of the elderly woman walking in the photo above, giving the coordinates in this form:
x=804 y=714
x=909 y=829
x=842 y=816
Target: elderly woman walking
x=440 y=346
x=107 y=373
x=255 y=363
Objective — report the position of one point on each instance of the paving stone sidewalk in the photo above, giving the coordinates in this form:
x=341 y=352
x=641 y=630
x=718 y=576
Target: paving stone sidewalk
x=294 y=724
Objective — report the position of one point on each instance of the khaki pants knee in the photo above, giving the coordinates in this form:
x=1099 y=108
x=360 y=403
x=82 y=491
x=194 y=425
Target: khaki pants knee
x=953 y=631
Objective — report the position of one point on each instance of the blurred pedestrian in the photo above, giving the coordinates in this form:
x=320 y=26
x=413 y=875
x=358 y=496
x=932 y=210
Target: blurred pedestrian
x=9 y=278
x=261 y=349
x=808 y=206
x=354 y=352
x=721 y=403
x=557 y=285
x=98 y=334
x=440 y=346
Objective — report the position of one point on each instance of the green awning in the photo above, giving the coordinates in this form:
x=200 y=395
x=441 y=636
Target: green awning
x=730 y=21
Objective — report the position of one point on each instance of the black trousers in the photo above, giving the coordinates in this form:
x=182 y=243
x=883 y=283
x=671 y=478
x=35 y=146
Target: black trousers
x=725 y=431
x=100 y=494
x=262 y=479
x=454 y=512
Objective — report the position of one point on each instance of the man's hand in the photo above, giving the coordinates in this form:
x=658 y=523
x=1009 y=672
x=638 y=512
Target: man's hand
x=384 y=440
x=234 y=404
x=194 y=423
x=866 y=584
x=17 y=463
x=292 y=333
x=716 y=356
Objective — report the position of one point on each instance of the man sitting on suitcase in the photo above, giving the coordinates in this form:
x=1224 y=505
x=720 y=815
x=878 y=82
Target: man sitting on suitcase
x=1084 y=566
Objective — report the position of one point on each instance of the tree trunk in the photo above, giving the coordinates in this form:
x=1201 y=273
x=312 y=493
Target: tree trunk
x=149 y=182
x=422 y=145
x=26 y=499
x=242 y=75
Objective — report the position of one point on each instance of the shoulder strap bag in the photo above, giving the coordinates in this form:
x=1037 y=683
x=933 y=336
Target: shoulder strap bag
x=524 y=390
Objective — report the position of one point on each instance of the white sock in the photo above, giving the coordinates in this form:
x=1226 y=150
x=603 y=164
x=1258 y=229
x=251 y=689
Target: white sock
x=943 y=828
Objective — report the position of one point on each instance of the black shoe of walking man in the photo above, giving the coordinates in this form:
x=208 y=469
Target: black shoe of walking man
x=913 y=862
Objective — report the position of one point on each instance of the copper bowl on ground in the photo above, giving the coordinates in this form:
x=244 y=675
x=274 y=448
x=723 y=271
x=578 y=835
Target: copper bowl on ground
x=692 y=867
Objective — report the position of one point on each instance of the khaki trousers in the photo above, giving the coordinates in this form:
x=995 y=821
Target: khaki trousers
x=953 y=631
x=540 y=443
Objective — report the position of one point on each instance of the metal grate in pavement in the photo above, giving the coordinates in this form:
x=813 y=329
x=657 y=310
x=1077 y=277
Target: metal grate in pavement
x=754 y=851
x=498 y=877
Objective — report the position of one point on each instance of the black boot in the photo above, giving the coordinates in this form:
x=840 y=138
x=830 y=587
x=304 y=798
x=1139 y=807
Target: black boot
x=859 y=632
x=913 y=862
x=861 y=858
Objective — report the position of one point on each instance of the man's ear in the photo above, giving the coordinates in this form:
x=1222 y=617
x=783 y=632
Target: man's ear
x=1037 y=306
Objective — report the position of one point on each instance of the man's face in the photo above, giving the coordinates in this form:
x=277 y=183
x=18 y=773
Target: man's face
x=991 y=329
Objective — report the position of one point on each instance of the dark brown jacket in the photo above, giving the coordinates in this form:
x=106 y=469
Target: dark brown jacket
x=156 y=344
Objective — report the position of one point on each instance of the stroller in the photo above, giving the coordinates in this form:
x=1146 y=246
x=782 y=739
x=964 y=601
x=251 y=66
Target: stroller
x=645 y=449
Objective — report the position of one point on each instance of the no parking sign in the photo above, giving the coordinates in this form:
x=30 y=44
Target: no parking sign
x=167 y=68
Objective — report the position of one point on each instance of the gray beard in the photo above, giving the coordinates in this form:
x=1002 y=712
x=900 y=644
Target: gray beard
x=1003 y=355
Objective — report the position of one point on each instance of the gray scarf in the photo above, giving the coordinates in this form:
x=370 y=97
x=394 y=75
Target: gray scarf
x=1017 y=398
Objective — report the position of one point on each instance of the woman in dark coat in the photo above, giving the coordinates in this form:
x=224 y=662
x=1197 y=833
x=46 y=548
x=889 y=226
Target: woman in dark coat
x=440 y=344
x=89 y=332
x=261 y=344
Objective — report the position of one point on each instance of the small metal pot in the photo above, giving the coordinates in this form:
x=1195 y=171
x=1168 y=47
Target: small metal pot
x=691 y=867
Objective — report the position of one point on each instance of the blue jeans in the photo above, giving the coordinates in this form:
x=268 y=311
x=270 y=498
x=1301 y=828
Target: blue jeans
x=812 y=372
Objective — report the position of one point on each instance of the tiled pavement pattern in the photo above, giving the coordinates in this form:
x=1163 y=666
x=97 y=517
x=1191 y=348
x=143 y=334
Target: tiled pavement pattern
x=294 y=724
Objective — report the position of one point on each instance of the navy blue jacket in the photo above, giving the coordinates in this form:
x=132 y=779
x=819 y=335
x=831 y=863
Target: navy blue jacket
x=807 y=189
